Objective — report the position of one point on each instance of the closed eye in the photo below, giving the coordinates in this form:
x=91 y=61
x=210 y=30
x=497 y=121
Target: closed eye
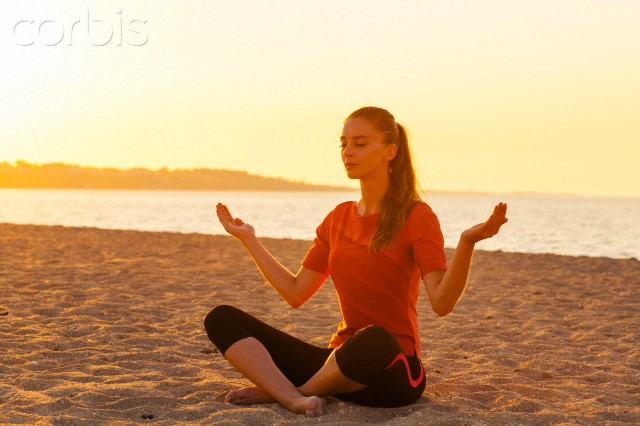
x=359 y=141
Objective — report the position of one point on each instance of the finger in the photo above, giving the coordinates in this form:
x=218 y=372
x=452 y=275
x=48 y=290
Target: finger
x=498 y=221
x=496 y=212
x=224 y=216
x=502 y=209
x=494 y=218
x=228 y=226
x=220 y=213
x=227 y=213
x=500 y=212
x=503 y=214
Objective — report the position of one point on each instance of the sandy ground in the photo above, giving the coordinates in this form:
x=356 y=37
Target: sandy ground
x=105 y=327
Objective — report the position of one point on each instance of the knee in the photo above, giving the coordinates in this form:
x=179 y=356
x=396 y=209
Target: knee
x=216 y=315
x=367 y=353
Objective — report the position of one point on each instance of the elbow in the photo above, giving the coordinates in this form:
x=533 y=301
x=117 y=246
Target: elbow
x=442 y=311
x=296 y=302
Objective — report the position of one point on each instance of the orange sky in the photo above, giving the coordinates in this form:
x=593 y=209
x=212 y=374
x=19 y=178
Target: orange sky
x=497 y=95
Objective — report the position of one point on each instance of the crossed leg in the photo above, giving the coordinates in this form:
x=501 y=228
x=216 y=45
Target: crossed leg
x=299 y=375
x=284 y=369
x=251 y=359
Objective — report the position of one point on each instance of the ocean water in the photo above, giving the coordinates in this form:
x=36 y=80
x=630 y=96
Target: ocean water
x=570 y=225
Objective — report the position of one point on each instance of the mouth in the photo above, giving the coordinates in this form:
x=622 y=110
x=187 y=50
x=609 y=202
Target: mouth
x=348 y=165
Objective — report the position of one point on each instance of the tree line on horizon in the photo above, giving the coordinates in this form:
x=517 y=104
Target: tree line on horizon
x=67 y=176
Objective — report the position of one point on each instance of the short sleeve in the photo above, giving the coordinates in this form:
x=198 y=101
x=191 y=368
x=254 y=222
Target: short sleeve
x=427 y=240
x=317 y=258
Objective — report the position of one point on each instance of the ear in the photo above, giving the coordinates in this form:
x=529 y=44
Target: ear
x=391 y=152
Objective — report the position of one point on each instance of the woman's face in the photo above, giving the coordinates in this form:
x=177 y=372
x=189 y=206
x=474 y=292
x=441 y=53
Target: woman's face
x=364 y=152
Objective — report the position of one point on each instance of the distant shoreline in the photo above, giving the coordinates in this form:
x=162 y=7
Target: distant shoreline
x=25 y=175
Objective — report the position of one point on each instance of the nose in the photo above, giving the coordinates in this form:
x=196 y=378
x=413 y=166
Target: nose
x=346 y=151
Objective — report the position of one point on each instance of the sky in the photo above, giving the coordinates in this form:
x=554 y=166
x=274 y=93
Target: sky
x=498 y=96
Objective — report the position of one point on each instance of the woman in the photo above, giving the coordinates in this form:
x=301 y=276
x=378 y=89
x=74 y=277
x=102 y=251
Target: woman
x=376 y=251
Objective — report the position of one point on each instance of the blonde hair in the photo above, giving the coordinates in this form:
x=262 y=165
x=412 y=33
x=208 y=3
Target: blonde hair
x=402 y=193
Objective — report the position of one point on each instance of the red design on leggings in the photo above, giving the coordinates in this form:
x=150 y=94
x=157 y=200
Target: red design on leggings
x=401 y=357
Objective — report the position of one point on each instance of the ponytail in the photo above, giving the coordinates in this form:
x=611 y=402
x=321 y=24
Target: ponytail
x=400 y=197
x=402 y=193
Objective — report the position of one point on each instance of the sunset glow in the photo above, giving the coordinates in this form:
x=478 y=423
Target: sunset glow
x=498 y=96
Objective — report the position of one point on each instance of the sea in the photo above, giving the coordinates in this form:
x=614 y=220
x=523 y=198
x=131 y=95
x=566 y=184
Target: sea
x=559 y=224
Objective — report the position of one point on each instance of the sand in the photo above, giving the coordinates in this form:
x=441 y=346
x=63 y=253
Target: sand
x=105 y=327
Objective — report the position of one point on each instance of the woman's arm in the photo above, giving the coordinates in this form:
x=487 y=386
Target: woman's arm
x=294 y=289
x=445 y=288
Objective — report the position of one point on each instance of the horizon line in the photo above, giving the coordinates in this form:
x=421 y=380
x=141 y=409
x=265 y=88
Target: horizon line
x=346 y=187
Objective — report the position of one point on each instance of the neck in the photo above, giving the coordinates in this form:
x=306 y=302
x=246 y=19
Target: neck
x=372 y=192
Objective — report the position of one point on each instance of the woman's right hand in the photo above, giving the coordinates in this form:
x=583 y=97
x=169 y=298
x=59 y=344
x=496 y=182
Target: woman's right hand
x=233 y=226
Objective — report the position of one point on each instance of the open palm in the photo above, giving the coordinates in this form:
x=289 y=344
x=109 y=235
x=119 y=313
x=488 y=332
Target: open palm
x=234 y=226
x=489 y=228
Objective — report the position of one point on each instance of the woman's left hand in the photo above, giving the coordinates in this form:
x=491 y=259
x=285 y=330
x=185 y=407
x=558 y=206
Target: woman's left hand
x=489 y=228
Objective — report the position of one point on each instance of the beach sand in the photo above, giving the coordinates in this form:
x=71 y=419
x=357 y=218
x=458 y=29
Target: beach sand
x=105 y=327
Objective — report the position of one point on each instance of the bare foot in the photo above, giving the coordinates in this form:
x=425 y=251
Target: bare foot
x=249 y=396
x=312 y=406
x=315 y=406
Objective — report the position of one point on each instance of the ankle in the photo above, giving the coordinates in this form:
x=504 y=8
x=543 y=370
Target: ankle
x=296 y=405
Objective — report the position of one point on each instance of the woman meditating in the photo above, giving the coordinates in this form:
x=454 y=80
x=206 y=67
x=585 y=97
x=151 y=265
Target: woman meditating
x=377 y=250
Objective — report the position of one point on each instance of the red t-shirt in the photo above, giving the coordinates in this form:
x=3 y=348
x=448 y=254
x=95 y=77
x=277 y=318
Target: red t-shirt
x=377 y=288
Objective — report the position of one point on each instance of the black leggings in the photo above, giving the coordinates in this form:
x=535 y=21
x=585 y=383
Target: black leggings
x=372 y=357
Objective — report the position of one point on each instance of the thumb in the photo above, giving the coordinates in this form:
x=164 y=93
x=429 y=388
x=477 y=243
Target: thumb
x=238 y=221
